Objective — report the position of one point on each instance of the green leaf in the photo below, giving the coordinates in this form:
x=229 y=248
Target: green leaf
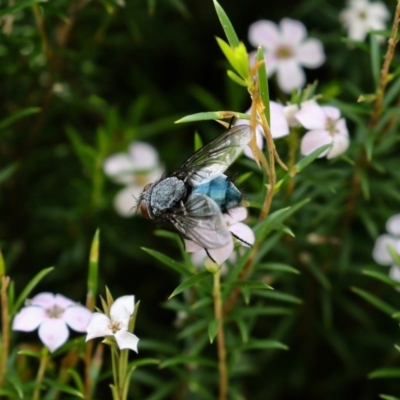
x=143 y=361
x=278 y=267
x=256 y=311
x=380 y=277
x=27 y=111
x=64 y=388
x=94 y=266
x=190 y=360
x=2 y=265
x=28 y=288
x=198 y=143
x=236 y=78
x=212 y=115
x=384 y=373
x=263 y=81
x=76 y=377
x=392 y=93
x=30 y=353
x=86 y=154
x=193 y=329
x=280 y=296
x=16 y=384
x=378 y=303
x=7 y=172
x=319 y=275
x=375 y=59
x=267 y=344
x=169 y=262
x=213 y=329
x=190 y=282
x=226 y=25
x=387 y=397
x=251 y=285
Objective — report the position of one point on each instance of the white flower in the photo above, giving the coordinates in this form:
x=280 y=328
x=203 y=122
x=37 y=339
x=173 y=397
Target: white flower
x=134 y=169
x=51 y=314
x=361 y=16
x=239 y=230
x=291 y=110
x=287 y=50
x=117 y=326
x=326 y=127
x=279 y=126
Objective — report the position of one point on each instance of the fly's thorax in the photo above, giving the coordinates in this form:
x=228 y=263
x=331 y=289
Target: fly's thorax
x=166 y=194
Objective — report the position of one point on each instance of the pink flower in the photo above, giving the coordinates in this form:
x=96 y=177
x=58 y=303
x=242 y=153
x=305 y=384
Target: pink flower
x=326 y=127
x=381 y=253
x=117 y=325
x=52 y=314
x=362 y=16
x=279 y=126
x=245 y=236
x=134 y=169
x=287 y=50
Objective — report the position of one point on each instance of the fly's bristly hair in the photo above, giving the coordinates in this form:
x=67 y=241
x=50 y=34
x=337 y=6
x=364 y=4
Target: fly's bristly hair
x=142 y=195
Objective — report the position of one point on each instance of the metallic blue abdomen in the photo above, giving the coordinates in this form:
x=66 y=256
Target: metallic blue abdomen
x=222 y=191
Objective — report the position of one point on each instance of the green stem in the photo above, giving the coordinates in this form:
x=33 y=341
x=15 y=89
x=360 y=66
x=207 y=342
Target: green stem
x=223 y=374
x=293 y=146
x=115 y=364
x=44 y=359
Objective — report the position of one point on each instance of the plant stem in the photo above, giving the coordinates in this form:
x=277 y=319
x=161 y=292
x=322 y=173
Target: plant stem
x=5 y=281
x=223 y=374
x=293 y=145
x=42 y=369
x=392 y=42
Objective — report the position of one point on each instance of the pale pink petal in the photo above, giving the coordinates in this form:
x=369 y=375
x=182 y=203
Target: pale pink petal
x=77 y=317
x=143 y=155
x=310 y=53
x=63 y=302
x=394 y=273
x=126 y=340
x=341 y=127
x=120 y=168
x=339 y=146
x=198 y=258
x=29 y=318
x=236 y=215
x=123 y=306
x=293 y=31
x=264 y=33
x=331 y=112
x=279 y=126
x=221 y=254
x=243 y=233
x=125 y=200
x=53 y=332
x=312 y=116
x=98 y=326
x=290 y=75
x=381 y=253
x=45 y=300
x=379 y=10
x=357 y=30
x=191 y=247
x=271 y=63
x=393 y=225
x=313 y=140
x=290 y=112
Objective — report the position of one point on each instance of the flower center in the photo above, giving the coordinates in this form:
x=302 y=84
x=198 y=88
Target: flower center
x=115 y=326
x=55 y=312
x=362 y=15
x=284 y=51
x=331 y=127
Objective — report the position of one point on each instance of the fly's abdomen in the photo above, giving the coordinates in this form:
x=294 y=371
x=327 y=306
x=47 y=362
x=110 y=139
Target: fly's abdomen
x=222 y=191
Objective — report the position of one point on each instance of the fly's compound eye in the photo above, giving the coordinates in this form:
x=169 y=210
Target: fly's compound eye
x=143 y=209
x=147 y=187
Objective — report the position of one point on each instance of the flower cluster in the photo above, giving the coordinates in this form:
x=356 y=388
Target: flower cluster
x=134 y=169
x=52 y=314
x=324 y=125
x=388 y=243
x=245 y=236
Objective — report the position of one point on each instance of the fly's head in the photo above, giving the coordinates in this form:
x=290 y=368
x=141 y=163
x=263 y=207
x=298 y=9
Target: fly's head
x=144 y=202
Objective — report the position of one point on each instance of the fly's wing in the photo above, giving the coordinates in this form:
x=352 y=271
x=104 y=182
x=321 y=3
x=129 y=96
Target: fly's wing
x=215 y=157
x=201 y=221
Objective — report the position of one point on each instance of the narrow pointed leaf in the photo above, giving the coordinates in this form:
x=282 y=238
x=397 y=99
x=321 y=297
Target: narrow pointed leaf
x=263 y=82
x=380 y=277
x=190 y=282
x=190 y=360
x=378 y=303
x=213 y=329
x=384 y=373
x=226 y=25
x=278 y=267
x=94 y=266
x=251 y=285
x=212 y=115
x=261 y=345
x=236 y=78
